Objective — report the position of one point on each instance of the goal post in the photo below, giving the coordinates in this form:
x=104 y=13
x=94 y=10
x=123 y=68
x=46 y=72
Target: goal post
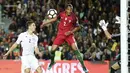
x=124 y=35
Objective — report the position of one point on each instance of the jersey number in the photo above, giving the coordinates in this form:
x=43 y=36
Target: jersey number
x=64 y=23
x=29 y=40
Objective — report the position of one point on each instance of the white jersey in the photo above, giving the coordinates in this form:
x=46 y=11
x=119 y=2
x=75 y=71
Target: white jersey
x=28 y=43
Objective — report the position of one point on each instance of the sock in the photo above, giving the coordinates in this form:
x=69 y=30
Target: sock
x=52 y=56
x=77 y=53
x=112 y=70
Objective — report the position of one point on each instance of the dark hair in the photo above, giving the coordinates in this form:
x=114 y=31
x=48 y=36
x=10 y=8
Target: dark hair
x=29 y=23
x=69 y=5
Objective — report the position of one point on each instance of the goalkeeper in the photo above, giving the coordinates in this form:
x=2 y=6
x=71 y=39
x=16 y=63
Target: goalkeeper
x=103 y=24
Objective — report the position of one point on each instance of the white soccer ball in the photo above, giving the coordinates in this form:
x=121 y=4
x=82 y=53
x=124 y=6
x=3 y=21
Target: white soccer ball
x=52 y=13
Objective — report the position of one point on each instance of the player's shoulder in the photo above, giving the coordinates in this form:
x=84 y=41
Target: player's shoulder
x=62 y=13
x=22 y=34
x=35 y=36
x=73 y=14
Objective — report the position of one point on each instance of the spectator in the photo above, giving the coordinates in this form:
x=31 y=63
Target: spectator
x=46 y=55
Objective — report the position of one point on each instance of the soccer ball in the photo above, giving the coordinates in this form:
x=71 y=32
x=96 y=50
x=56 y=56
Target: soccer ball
x=52 y=13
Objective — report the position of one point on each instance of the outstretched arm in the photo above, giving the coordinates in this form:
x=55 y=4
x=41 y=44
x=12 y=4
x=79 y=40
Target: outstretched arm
x=14 y=45
x=11 y=49
x=104 y=27
x=108 y=35
x=37 y=49
x=49 y=21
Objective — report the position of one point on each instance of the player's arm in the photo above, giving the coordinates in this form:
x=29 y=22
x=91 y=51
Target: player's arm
x=36 y=49
x=72 y=31
x=49 y=21
x=77 y=27
x=14 y=45
x=11 y=49
x=104 y=27
x=108 y=35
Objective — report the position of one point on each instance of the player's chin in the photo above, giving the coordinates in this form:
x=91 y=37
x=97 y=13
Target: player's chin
x=34 y=30
x=69 y=14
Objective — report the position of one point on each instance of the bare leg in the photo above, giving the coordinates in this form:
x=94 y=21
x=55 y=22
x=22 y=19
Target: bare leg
x=27 y=70
x=39 y=70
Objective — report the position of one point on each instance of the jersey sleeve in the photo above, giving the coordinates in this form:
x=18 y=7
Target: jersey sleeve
x=76 y=22
x=110 y=41
x=36 y=42
x=116 y=37
x=19 y=39
x=59 y=15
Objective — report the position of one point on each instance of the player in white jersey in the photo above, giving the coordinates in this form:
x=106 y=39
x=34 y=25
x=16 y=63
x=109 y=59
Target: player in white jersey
x=28 y=41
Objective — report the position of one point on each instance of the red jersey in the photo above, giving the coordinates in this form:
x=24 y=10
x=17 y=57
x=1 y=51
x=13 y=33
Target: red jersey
x=67 y=23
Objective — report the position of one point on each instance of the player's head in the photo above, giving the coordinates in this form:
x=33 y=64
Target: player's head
x=31 y=26
x=68 y=9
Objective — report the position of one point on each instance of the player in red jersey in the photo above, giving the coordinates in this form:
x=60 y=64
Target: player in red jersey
x=67 y=26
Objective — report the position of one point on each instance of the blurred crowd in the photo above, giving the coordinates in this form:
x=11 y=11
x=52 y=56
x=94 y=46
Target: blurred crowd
x=91 y=41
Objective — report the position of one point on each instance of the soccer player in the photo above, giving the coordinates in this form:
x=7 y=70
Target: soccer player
x=28 y=41
x=67 y=26
x=115 y=66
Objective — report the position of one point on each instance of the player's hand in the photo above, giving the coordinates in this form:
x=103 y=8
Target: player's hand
x=68 y=33
x=41 y=25
x=103 y=24
x=40 y=54
x=117 y=20
x=5 y=56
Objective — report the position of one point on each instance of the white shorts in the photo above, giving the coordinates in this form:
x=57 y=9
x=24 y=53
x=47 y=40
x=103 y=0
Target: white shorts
x=29 y=61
